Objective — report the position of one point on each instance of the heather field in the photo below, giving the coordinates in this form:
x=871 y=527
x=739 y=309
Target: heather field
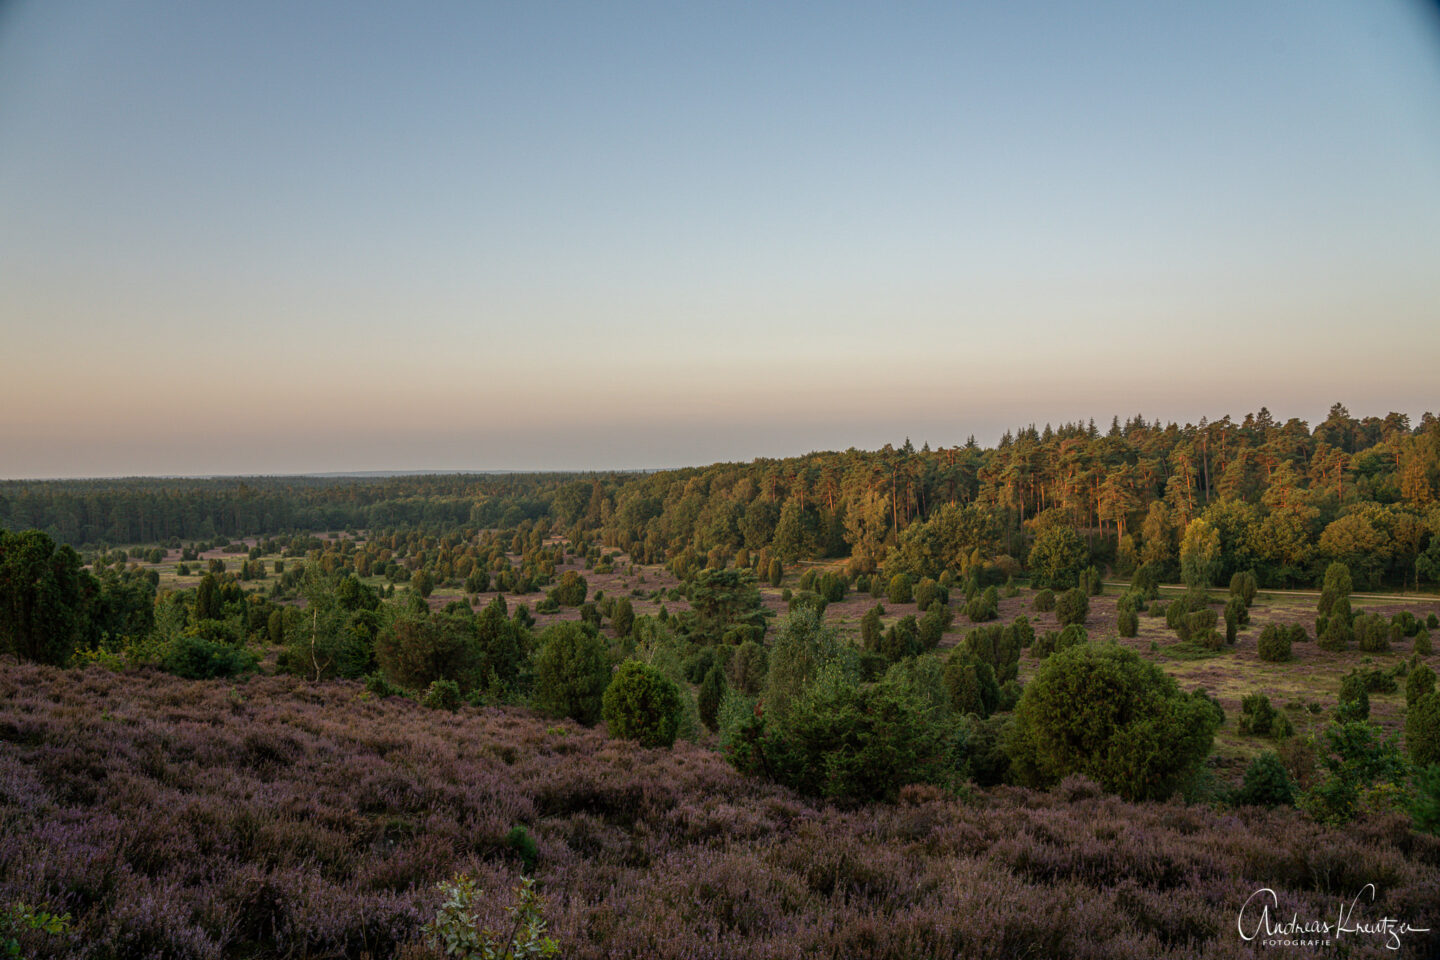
x=272 y=817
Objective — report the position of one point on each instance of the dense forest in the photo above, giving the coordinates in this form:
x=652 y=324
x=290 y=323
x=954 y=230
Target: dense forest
x=784 y=629
x=1280 y=499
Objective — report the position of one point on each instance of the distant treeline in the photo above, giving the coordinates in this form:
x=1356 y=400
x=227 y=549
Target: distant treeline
x=1281 y=499
x=146 y=510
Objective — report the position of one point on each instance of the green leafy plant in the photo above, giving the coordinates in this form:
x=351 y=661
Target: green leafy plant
x=456 y=932
x=20 y=916
x=442 y=695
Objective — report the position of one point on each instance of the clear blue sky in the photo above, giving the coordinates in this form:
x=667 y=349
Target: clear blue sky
x=277 y=237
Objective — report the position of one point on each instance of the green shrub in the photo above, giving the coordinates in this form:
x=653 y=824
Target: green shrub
x=1105 y=712
x=1072 y=607
x=996 y=646
x=870 y=628
x=414 y=651
x=1372 y=633
x=1045 y=601
x=1071 y=636
x=929 y=592
x=1333 y=633
x=1425 y=801
x=1235 y=614
x=1274 y=643
x=1091 y=583
x=1420 y=682
x=1298 y=634
x=478 y=580
x=1044 y=645
x=1422 y=642
x=1422 y=730
x=442 y=695
x=1127 y=622
x=572 y=670
x=1266 y=783
x=1146 y=581
x=808 y=600
x=520 y=841
x=1197 y=625
x=196 y=658
x=1336 y=586
x=984 y=748
x=984 y=606
x=933 y=625
x=747 y=668
x=571 y=590
x=642 y=704
x=853 y=741
x=971 y=684
x=1355 y=760
x=377 y=685
x=902 y=639
x=1354 y=705
x=712 y=692
x=1243 y=586
x=1024 y=633
x=900 y=589
x=1370 y=680
x=1259 y=719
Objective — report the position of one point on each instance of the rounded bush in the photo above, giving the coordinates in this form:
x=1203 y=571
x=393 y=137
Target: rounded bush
x=198 y=658
x=571 y=590
x=1274 y=643
x=900 y=589
x=1105 y=712
x=927 y=592
x=1127 y=622
x=642 y=704
x=1045 y=601
x=1266 y=783
x=1072 y=607
x=442 y=695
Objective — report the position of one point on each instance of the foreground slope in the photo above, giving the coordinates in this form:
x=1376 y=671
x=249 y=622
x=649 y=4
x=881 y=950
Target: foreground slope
x=277 y=818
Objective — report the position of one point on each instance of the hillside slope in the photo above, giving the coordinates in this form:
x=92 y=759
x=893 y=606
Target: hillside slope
x=275 y=818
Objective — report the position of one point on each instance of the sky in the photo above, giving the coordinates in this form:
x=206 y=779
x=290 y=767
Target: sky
x=270 y=237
